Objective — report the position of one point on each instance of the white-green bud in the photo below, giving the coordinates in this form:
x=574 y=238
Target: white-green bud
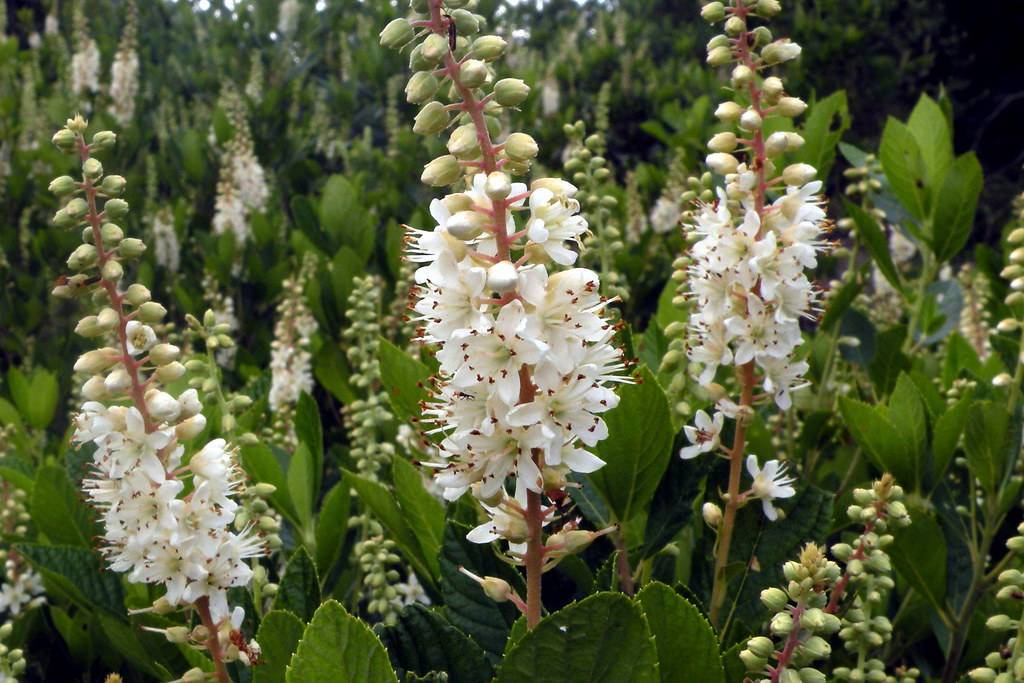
x=107 y=318
x=466 y=23
x=113 y=185
x=97 y=360
x=780 y=51
x=498 y=185
x=722 y=163
x=1000 y=622
x=463 y=142
x=115 y=209
x=761 y=646
x=64 y=139
x=488 y=48
x=811 y=675
x=790 y=106
x=151 y=312
x=112 y=270
x=137 y=294
x=711 y=513
x=741 y=75
x=521 y=147
x=510 y=92
x=82 y=257
x=421 y=87
x=772 y=87
x=396 y=34
x=734 y=26
x=502 y=277
x=102 y=140
x=775 y=599
x=111 y=233
x=76 y=208
x=170 y=372
x=92 y=168
x=722 y=142
x=729 y=111
x=798 y=174
x=719 y=56
x=713 y=12
x=431 y=119
x=164 y=353
x=466 y=225
x=473 y=73
x=132 y=247
x=1016 y=235
x=442 y=171
x=751 y=661
x=750 y=120
x=63 y=185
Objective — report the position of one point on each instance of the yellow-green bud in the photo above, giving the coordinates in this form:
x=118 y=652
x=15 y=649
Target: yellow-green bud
x=417 y=62
x=113 y=185
x=488 y=48
x=397 y=33
x=498 y=185
x=64 y=139
x=1000 y=622
x=102 y=140
x=774 y=599
x=751 y=661
x=811 y=675
x=521 y=147
x=722 y=142
x=728 y=112
x=177 y=634
x=742 y=75
x=421 y=87
x=722 y=163
x=431 y=119
x=466 y=225
x=83 y=257
x=76 y=208
x=132 y=247
x=798 y=174
x=164 y=353
x=111 y=233
x=510 y=92
x=442 y=171
x=790 y=106
x=473 y=73
x=496 y=589
x=107 y=318
x=734 y=26
x=768 y=8
x=772 y=87
x=63 y=185
x=97 y=360
x=115 y=209
x=761 y=646
x=151 y=312
x=92 y=168
x=435 y=47
x=719 y=56
x=170 y=372
x=1016 y=236
x=112 y=270
x=89 y=327
x=466 y=23
x=713 y=12
x=137 y=294
x=63 y=220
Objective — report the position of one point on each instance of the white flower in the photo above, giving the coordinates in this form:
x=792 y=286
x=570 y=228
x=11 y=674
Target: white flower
x=769 y=483
x=704 y=435
x=85 y=69
x=141 y=337
x=162 y=406
x=555 y=220
x=665 y=214
x=124 y=84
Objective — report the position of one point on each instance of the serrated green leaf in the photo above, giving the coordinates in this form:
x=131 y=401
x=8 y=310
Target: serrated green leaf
x=871 y=236
x=826 y=121
x=672 y=506
x=128 y=639
x=879 y=438
x=686 y=644
x=906 y=409
x=278 y=636
x=336 y=646
x=955 y=205
x=331 y=528
x=79 y=572
x=423 y=642
x=903 y=166
x=299 y=589
x=262 y=466
x=934 y=138
x=344 y=218
x=423 y=513
x=637 y=449
x=403 y=378
x=58 y=510
x=310 y=433
x=919 y=554
x=331 y=370
x=300 y=482
x=601 y=639
x=986 y=441
x=946 y=434
x=889 y=360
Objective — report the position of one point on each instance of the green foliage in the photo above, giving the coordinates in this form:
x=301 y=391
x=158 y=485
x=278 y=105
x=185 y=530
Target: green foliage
x=335 y=646
x=687 y=645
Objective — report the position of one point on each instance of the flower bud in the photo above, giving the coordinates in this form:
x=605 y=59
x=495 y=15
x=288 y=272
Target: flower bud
x=164 y=353
x=722 y=142
x=63 y=185
x=82 y=257
x=488 y=48
x=811 y=675
x=735 y=25
x=1016 y=235
x=396 y=34
x=107 y=318
x=712 y=514
x=97 y=360
x=1000 y=622
x=772 y=87
x=112 y=270
x=132 y=247
x=768 y=8
x=442 y=171
x=502 y=277
x=431 y=119
x=113 y=185
x=151 y=312
x=92 y=168
x=741 y=75
x=510 y=92
x=466 y=23
x=466 y=225
x=798 y=174
x=721 y=163
x=112 y=234
x=463 y=142
x=712 y=12
x=421 y=87
x=780 y=51
x=775 y=599
x=137 y=294
x=64 y=139
x=170 y=372
x=498 y=185
x=719 y=56
x=115 y=209
x=76 y=208
x=473 y=73
x=521 y=147
x=752 y=661
x=89 y=327
x=750 y=120
x=94 y=388
x=790 y=106
x=728 y=112
x=102 y=140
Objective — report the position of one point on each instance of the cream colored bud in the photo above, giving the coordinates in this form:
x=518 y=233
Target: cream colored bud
x=431 y=119
x=63 y=185
x=1017 y=255
x=750 y=120
x=502 y=277
x=722 y=142
x=496 y=589
x=1016 y=235
x=442 y=171
x=498 y=186
x=790 y=106
x=421 y=87
x=132 y=247
x=466 y=225
x=1007 y=325
x=728 y=112
x=722 y=163
x=89 y=327
x=772 y=87
x=164 y=353
x=463 y=142
x=521 y=147
x=742 y=75
x=112 y=270
x=473 y=73
x=713 y=12
x=712 y=514
x=780 y=51
x=112 y=234
x=458 y=201
x=170 y=372
x=102 y=140
x=434 y=48
x=1003 y=379
x=137 y=294
x=735 y=25
x=510 y=92
x=97 y=360
x=488 y=48
x=798 y=174
x=397 y=33
x=151 y=312
x=118 y=380
x=94 y=388
x=719 y=56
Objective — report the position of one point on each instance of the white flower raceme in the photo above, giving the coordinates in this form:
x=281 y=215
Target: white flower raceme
x=291 y=365
x=166 y=247
x=288 y=17
x=525 y=357
x=665 y=214
x=85 y=68
x=124 y=72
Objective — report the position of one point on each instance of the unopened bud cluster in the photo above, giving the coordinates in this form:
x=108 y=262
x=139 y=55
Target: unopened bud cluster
x=12 y=660
x=380 y=565
x=1006 y=664
x=1014 y=273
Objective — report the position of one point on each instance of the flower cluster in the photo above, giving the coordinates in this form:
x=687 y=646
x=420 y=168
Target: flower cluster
x=166 y=515
x=526 y=355
x=22 y=588
x=85 y=62
x=291 y=365
x=124 y=72
x=242 y=187
x=1007 y=663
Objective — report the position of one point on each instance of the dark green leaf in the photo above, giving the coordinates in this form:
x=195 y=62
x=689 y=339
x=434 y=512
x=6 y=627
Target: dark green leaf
x=955 y=204
x=946 y=434
x=986 y=441
x=919 y=554
x=403 y=378
x=879 y=438
x=686 y=644
x=279 y=635
x=423 y=513
x=79 y=572
x=338 y=647
x=903 y=166
x=826 y=121
x=310 y=433
x=299 y=590
x=673 y=504
x=59 y=511
x=262 y=466
x=331 y=527
x=871 y=236
x=422 y=642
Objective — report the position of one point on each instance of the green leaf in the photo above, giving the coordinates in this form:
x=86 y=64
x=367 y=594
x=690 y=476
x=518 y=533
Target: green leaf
x=465 y=604
x=74 y=632
x=986 y=441
x=306 y=221
x=262 y=466
x=959 y=356
x=331 y=370
x=872 y=237
x=79 y=572
x=839 y=302
x=299 y=590
x=344 y=218
x=35 y=396
x=336 y=646
x=601 y=639
x=403 y=379
x=423 y=513
x=955 y=205
x=879 y=438
x=310 y=433
x=422 y=642
x=824 y=125
x=934 y=138
x=58 y=510
x=946 y=434
x=331 y=528
x=672 y=506
x=637 y=449
x=919 y=554
x=903 y=166
x=906 y=409
x=301 y=481
x=384 y=506
x=687 y=647
x=278 y=636
x=889 y=361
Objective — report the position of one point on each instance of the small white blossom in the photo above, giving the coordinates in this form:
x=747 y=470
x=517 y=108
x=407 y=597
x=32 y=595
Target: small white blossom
x=704 y=435
x=770 y=482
